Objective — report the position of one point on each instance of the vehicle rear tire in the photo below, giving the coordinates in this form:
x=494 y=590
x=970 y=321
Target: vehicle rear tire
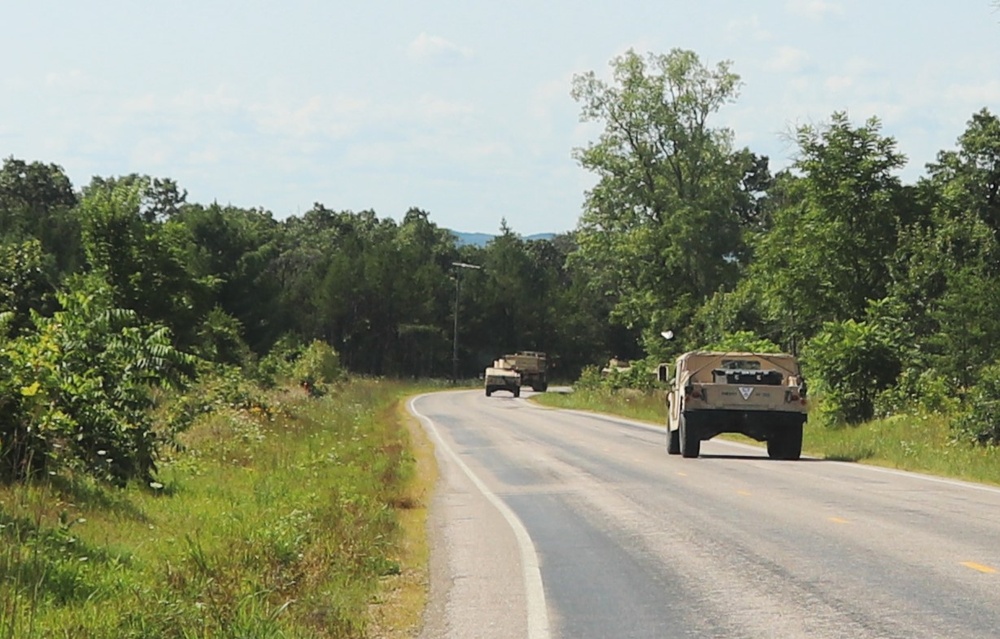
x=488 y=392
x=793 y=443
x=673 y=442
x=775 y=444
x=689 y=441
x=787 y=444
x=517 y=392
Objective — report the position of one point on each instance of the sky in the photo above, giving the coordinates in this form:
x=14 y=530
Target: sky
x=459 y=108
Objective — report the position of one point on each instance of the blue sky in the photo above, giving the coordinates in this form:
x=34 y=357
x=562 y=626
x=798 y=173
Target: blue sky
x=460 y=108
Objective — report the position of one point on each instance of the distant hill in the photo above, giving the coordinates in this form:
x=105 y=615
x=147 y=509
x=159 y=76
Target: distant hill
x=481 y=239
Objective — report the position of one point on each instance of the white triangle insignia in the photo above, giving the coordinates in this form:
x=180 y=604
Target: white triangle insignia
x=745 y=391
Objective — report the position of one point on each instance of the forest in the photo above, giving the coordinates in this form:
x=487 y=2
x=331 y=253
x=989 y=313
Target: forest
x=889 y=292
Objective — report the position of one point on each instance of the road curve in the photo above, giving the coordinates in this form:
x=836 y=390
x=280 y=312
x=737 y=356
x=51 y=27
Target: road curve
x=551 y=523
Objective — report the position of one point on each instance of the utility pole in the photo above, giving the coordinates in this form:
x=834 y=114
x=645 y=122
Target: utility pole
x=458 y=287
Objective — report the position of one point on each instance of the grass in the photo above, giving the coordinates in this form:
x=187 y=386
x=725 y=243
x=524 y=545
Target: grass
x=919 y=443
x=304 y=522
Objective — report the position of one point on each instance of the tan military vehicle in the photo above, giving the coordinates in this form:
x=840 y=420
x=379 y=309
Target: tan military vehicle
x=502 y=376
x=761 y=395
x=533 y=367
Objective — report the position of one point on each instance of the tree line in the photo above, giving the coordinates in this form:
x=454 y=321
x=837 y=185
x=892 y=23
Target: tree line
x=888 y=291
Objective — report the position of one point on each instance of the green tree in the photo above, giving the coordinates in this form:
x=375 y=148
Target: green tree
x=144 y=261
x=37 y=202
x=76 y=392
x=236 y=248
x=829 y=248
x=661 y=229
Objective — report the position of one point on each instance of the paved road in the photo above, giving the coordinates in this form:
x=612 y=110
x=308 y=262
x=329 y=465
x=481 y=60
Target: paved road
x=554 y=523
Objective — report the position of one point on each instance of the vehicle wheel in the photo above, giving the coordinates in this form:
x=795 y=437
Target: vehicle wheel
x=688 y=439
x=517 y=392
x=544 y=386
x=775 y=444
x=787 y=444
x=488 y=392
x=793 y=443
x=673 y=442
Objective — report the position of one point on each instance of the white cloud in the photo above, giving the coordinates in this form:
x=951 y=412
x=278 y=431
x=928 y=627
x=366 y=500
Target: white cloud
x=427 y=46
x=547 y=95
x=788 y=59
x=838 y=83
x=435 y=108
x=316 y=115
x=813 y=8
x=150 y=152
x=747 y=28
x=73 y=80
x=981 y=93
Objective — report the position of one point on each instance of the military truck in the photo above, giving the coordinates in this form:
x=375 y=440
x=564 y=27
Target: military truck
x=533 y=367
x=502 y=376
x=761 y=395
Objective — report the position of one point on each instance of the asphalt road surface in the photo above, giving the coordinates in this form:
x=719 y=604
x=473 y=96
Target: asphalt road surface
x=552 y=523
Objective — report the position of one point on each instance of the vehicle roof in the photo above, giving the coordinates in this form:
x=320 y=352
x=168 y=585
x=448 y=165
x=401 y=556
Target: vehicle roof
x=694 y=361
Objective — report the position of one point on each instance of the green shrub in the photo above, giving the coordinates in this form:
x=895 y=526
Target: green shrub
x=76 y=392
x=918 y=391
x=980 y=422
x=317 y=368
x=850 y=363
x=745 y=341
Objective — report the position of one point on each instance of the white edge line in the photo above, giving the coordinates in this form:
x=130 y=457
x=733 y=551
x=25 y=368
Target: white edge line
x=957 y=483
x=538 y=616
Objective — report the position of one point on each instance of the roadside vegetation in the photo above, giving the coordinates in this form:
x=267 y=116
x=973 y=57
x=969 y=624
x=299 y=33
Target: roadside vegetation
x=285 y=516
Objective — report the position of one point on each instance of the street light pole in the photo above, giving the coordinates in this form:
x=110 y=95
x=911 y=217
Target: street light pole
x=454 y=345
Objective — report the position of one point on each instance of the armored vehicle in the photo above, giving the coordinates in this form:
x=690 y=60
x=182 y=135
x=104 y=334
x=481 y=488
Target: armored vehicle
x=502 y=376
x=761 y=395
x=533 y=367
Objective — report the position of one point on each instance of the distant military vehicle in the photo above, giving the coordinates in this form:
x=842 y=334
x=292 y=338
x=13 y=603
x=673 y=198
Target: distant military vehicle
x=533 y=367
x=502 y=376
x=760 y=395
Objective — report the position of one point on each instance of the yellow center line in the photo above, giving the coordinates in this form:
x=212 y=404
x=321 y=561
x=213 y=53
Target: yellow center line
x=979 y=567
x=838 y=520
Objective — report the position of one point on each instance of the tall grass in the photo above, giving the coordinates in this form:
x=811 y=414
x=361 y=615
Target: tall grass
x=264 y=525
x=919 y=443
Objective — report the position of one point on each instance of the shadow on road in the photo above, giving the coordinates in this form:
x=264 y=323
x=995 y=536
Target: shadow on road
x=765 y=458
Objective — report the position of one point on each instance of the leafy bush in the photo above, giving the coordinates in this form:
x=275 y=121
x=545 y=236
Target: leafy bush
x=277 y=366
x=980 y=422
x=77 y=388
x=590 y=379
x=851 y=363
x=744 y=341
x=317 y=368
x=918 y=391
x=639 y=376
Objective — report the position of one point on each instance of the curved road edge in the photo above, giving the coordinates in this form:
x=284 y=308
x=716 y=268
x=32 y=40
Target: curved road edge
x=537 y=613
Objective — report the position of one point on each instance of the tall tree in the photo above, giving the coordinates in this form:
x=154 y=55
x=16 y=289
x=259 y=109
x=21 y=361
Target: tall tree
x=828 y=252
x=661 y=230
x=36 y=202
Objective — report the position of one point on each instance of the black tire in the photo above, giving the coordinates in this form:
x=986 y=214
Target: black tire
x=775 y=445
x=488 y=392
x=786 y=444
x=793 y=442
x=673 y=442
x=517 y=392
x=689 y=441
